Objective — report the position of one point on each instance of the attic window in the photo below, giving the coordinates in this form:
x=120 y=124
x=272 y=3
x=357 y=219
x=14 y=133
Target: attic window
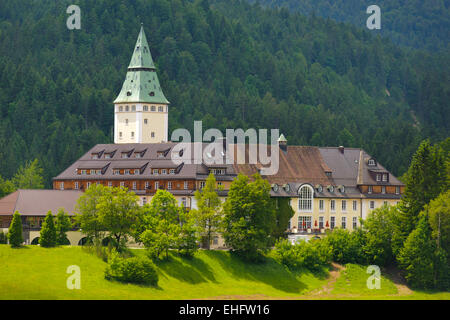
x=371 y=162
x=152 y=94
x=328 y=173
x=128 y=93
x=275 y=187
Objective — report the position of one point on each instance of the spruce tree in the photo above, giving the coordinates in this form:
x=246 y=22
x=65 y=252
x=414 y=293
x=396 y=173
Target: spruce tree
x=48 y=232
x=15 y=231
x=63 y=225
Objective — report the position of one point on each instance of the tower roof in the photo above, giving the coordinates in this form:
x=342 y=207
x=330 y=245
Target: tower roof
x=141 y=83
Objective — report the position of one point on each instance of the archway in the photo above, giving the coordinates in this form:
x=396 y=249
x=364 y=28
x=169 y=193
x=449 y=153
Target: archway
x=35 y=241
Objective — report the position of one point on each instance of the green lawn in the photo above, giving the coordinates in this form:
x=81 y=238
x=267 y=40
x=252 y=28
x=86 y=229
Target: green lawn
x=33 y=272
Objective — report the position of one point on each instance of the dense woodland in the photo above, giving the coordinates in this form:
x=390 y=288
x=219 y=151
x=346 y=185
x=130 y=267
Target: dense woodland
x=416 y=23
x=228 y=63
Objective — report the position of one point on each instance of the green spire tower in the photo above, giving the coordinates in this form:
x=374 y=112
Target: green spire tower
x=141 y=109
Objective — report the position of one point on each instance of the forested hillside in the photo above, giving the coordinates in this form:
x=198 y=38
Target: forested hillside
x=230 y=64
x=416 y=23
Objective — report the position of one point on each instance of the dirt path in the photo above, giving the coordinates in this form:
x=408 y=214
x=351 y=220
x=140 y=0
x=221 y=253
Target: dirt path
x=335 y=273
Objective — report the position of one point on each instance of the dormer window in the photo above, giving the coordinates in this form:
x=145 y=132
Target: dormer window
x=155 y=171
x=330 y=188
x=163 y=171
x=152 y=94
x=287 y=187
x=371 y=162
x=385 y=177
x=82 y=172
x=116 y=171
x=275 y=187
x=172 y=171
x=127 y=171
x=378 y=177
x=319 y=188
x=370 y=189
x=328 y=173
x=107 y=156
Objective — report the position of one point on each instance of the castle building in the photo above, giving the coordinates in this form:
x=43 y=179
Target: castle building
x=328 y=187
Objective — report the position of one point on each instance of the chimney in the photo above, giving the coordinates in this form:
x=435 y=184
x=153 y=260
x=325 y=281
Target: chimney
x=341 y=149
x=282 y=142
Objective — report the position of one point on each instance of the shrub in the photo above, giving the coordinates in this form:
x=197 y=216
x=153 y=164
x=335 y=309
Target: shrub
x=347 y=247
x=48 y=236
x=15 y=231
x=3 y=238
x=132 y=270
x=313 y=255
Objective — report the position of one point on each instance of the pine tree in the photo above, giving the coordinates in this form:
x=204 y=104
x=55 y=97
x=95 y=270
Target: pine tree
x=15 y=231
x=63 y=225
x=417 y=256
x=48 y=232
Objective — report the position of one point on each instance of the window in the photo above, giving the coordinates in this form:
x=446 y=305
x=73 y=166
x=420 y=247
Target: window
x=146 y=184
x=185 y=185
x=169 y=185
x=145 y=121
x=220 y=183
x=332 y=222
x=385 y=203
x=160 y=109
x=152 y=94
x=116 y=171
x=155 y=171
x=378 y=177
x=164 y=171
x=120 y=108
x=304 y=222
x=126 y=122
x=133 y=108
x=202 y=184
x=355 y=222
x=397 y=190
x=216 y=240
x=153 y=108
x=61 y=185
x=321 y=208
x=88 y=184
x=127 y=108
x=107 y=156
x=172 y=171
x=385 y=177
x=156 y=185
x=120 y=135
x=371 y=162
x=76 y=185
x=144 y=201
x=344 y=205
x=320 y=222
x=355 y=205
x=109 y=183
x=372 y=204
x=145 y=108
x=305 y=199
x=122 y=184
x=134 y=185
x=127 y=171
x=370 y=189
x=83 y=172
x=333 y=205
x=383 y=189
x=344 y=222
x=132 y=134
x=184 y=202
x=153 y=135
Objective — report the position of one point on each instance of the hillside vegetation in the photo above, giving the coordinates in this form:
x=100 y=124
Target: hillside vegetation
x=228 y=63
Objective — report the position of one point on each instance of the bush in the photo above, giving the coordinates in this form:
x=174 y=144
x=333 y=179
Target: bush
x=313 y=255
x=15 y=231
x=48 y=236
x=346 y=246
x=3 y=238
x=132 y=270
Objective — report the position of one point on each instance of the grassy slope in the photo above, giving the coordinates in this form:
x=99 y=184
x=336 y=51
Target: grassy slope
x=39 y=273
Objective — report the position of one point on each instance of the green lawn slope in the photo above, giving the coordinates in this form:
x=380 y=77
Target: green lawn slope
x=33 y=272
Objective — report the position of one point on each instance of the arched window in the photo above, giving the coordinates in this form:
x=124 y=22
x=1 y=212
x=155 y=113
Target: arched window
x=121 y=108
x=305 y=198
x=127 y=108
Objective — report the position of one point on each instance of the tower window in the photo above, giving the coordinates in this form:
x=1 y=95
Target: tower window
x=127 y=108
x=120 y=108
x=160 y=109
x=152 y=94
x=145 y=108
x=153 y=108
x=145 y=121
x=133 y=108
x=153 y=134
x=128 y=93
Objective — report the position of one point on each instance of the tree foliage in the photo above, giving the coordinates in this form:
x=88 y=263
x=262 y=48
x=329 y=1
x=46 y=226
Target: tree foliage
x=48 y=236
x=15 y=236
x=249 y=216
x=62 y=225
